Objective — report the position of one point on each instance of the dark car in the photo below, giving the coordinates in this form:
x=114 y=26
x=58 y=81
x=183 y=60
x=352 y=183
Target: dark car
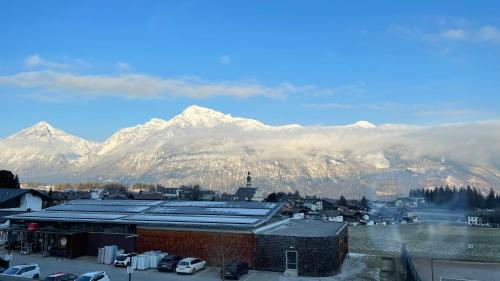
x=235 y=269
x=61 y=276
x=4 y=264
x=168 y=263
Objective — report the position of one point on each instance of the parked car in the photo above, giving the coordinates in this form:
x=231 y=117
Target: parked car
x=94 y=276
x=190 y=265
x=61 y=276
x=124 y=259
x=169 y=263
x=4 y=265
x=31 y=271
x=234 y=270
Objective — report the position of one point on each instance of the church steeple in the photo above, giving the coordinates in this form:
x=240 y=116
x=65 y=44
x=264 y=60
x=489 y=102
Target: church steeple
x=249 y=180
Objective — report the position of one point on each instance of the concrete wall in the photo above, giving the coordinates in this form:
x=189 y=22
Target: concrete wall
x=201 y=244
x=30 y=201
x=317 y=256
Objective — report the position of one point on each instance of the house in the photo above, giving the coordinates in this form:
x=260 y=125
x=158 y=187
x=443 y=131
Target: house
x=249 y=194
x=209 y=195
x=329 y=204
x=388 y=216
x=485 y=218
x=170 y=193
x=22 y=200
x=59 y=197
x=148 y=196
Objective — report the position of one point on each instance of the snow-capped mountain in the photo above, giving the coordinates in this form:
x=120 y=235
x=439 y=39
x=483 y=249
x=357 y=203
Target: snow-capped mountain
x=44 y=133
x=43 y=149
x=216 y=150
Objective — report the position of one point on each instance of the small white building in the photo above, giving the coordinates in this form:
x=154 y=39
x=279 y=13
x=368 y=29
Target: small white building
x=21 y=200
x=475 y=220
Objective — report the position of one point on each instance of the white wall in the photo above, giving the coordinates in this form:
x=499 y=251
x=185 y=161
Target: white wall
x=28 y=201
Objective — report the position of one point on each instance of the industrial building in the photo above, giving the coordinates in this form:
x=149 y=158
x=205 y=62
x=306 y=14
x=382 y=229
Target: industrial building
x=216 y=231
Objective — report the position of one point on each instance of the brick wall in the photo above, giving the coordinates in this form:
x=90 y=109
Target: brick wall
x=204 y=245
x=317 y=256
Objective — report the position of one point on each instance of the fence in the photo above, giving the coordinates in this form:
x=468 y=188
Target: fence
x=410 y=271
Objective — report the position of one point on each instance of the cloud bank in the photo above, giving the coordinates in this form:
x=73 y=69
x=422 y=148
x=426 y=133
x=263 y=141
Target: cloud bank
x=132 y=85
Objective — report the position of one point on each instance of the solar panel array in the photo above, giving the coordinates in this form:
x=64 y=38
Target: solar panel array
x=144 y=212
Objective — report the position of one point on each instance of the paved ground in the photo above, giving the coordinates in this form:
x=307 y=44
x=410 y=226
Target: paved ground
x=356 y=268
x=456 y=270
x=428 y=240
x=85 y=264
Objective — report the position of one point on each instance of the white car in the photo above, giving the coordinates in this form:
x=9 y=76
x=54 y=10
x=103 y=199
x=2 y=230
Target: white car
x=29 y=271
x=190 y=265
x=124 y=259
x=94 y=276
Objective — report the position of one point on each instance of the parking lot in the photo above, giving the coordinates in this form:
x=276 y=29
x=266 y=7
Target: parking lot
x=81 y=265
x=355 y=268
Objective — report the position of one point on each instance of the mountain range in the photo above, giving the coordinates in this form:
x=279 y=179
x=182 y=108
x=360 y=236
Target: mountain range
x=216 y=150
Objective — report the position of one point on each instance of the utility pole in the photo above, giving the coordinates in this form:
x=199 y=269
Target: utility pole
x=222 y=254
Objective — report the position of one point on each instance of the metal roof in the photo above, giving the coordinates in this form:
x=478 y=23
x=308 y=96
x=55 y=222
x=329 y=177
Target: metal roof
x=303 y=228
x=7 y=194
x=171 y=213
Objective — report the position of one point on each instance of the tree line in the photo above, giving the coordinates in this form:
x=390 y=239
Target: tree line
x=462 y=198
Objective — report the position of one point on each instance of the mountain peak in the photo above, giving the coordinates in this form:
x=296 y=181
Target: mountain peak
x=42 y=124
x=40 y=131
x=195 y=110
x=43 y=133
x=363 y=124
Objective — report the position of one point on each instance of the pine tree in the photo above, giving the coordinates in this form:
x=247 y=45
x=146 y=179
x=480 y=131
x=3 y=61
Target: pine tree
x=8 y=180
x=342 y=201
x=490 y=200
x=364 y=202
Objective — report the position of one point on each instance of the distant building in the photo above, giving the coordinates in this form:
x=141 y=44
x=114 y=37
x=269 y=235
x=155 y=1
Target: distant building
x=148 y=196
x=171 y=193
x=485 y=218
x=249 y=193
x=24 y=200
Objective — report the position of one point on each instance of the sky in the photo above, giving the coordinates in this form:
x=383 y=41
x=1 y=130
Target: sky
x=93 y=67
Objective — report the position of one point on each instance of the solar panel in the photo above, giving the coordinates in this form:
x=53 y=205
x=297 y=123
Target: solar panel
x=116 y=202
x=70 y=215
x=191 y=219
x=99 y=208
x=200 y=213
x=210 y=211
x=225 y=204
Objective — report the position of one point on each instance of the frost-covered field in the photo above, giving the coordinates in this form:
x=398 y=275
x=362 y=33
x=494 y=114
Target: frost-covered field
x=430 y=240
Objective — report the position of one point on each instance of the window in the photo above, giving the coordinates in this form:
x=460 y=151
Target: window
x=22 y=270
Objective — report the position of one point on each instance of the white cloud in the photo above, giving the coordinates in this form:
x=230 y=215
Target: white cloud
x=452 y=31
x=122 y=66
x=225 y=60
x=37 y=61
x=144 y=86
x=489 y=33
x=454 y=34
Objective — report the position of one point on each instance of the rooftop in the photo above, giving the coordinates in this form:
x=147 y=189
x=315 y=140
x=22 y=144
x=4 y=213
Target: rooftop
x=304 y=228
x=7 y=194
x=215 y=214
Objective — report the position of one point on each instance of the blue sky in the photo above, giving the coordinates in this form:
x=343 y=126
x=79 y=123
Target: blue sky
x=92 y=67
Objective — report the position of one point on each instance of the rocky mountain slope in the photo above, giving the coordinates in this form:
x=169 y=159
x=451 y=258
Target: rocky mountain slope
x=213 y=149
